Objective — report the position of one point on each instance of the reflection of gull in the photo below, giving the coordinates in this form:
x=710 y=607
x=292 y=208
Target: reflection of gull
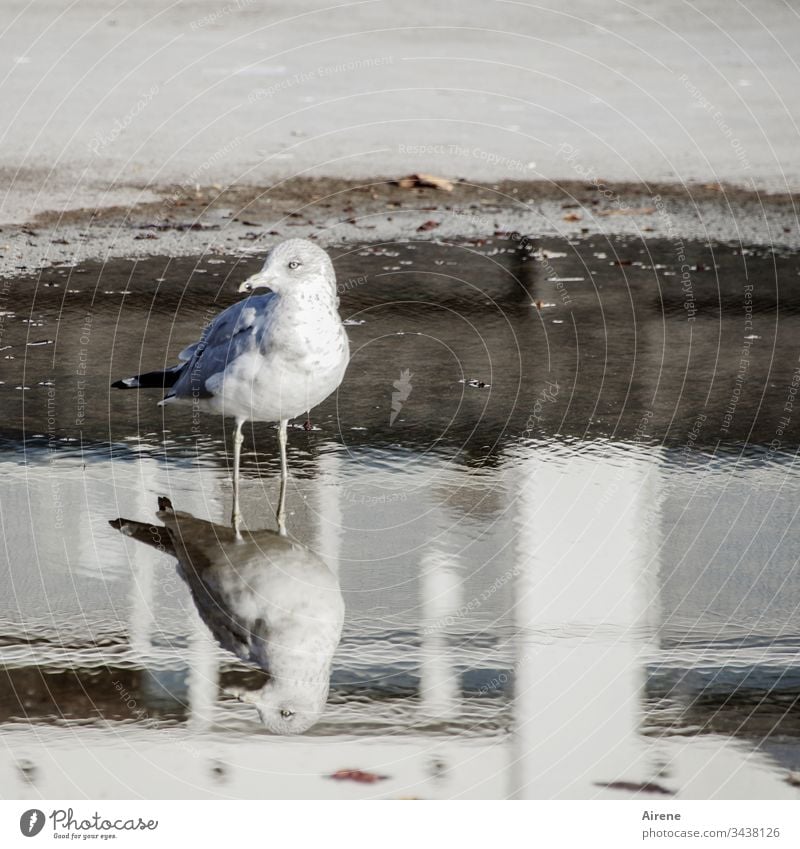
x=267 y=358
x=271 y=602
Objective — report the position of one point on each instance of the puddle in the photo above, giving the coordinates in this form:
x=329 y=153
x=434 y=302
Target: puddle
x=557 y=485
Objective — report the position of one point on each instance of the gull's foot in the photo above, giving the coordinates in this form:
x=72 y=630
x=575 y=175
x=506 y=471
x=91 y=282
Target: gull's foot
x=307 y=425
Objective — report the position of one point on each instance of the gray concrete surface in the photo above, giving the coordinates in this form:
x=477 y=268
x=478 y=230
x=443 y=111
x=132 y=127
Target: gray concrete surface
x=106 y=103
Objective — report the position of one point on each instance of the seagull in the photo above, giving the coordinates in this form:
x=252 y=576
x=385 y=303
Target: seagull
x=268 y=358
x=266 y=599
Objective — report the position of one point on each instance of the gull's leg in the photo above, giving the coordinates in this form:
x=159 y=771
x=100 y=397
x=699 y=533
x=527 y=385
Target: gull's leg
x=281 y=515
x=236 y=516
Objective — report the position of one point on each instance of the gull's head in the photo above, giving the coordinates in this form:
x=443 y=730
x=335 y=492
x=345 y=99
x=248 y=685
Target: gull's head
x=287 y=709
x=293 y=264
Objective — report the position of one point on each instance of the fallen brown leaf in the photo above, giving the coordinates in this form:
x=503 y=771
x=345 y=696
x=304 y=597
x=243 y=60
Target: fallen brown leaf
x=358 y=775
x=427 y=225
x=435 y=182
x=573 y=216
x=636 y=787
x=424 y=181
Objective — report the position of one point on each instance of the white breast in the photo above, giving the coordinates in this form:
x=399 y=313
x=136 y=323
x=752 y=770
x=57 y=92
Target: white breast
x=296 y=367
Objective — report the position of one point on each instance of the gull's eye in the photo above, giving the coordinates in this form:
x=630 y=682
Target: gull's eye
x=287 y=714
x=295 y=264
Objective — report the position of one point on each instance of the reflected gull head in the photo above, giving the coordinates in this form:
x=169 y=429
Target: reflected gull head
x=287 y=707
x=266 y=599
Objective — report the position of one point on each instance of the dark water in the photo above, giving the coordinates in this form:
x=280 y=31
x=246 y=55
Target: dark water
x=558 y=485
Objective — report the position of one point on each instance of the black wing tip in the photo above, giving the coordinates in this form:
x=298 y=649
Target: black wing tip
x=124 y=526
x=164 y=503
x=152 y=379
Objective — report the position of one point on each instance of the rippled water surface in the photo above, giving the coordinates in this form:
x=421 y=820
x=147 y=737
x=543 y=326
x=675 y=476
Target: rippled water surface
x=558 y=486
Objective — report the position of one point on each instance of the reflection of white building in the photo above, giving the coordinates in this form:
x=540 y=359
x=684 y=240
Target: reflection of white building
x=107 y=587
x=584 y=608
x=585 y=556
x=609 y=579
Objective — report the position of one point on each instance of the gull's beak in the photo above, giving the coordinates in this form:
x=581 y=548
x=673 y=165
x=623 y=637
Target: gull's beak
x=242 y=695
x=261 y=280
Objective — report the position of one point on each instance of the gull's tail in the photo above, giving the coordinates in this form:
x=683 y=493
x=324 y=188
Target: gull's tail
x=151 y=379
x=156 y=535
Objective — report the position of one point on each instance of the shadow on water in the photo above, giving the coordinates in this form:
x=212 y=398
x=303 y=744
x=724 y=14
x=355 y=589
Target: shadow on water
x=557 y=488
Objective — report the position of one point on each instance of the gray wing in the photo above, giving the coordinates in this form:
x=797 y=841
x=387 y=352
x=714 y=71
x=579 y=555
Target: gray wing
x=215 y=609
x=217 y=594
x=233 y=331
x=187 y=353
